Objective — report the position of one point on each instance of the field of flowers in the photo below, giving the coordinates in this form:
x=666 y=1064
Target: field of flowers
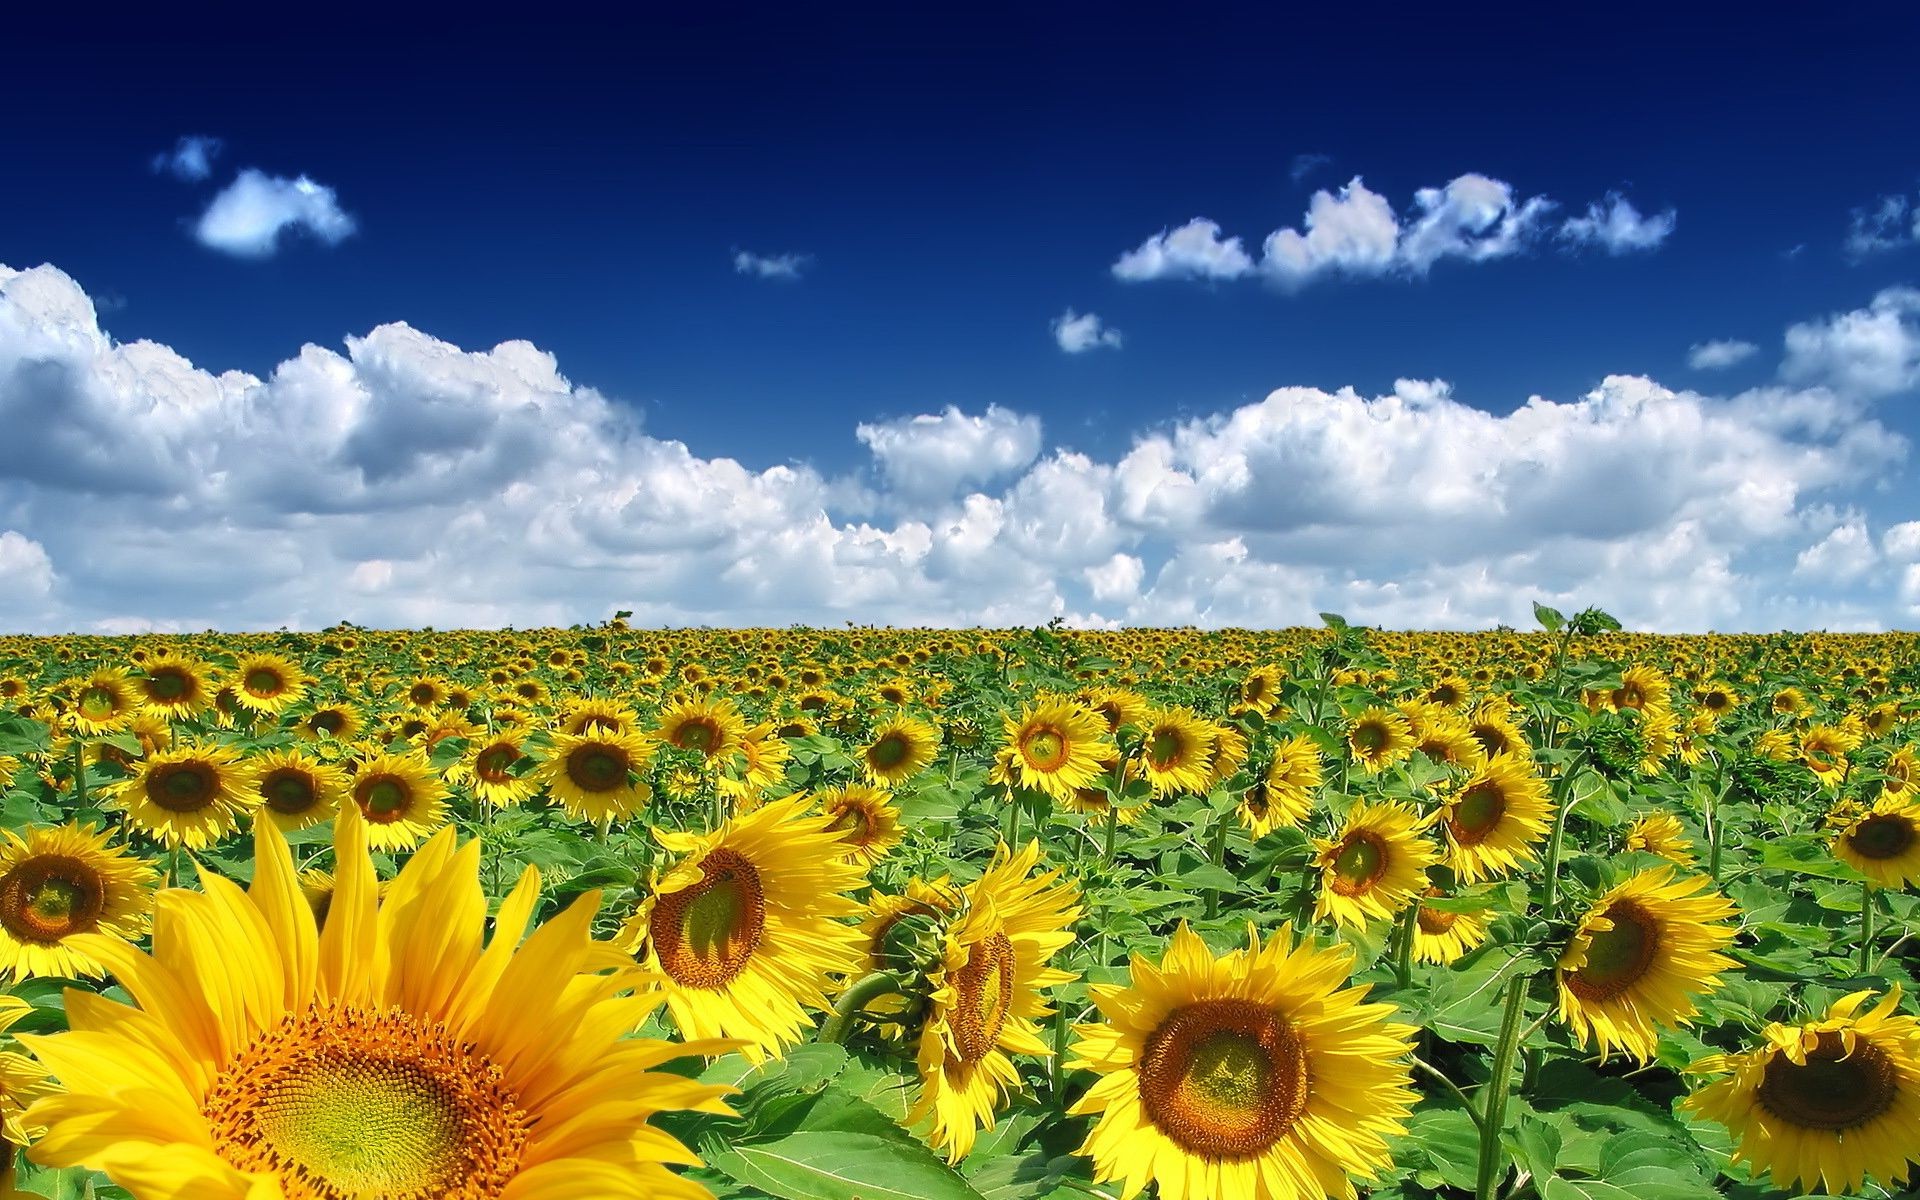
x=1572 y=914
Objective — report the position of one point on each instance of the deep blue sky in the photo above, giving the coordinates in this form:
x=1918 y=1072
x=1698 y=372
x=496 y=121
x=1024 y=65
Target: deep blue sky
x=960 y=178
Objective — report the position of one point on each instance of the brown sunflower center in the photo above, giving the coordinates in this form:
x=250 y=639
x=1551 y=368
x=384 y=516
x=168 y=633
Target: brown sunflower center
x=983 y=993
x=1369 y=738
x=383 y=798
x=495 y=763
x=289 y=791
x=264 y=682
x=1883 y=835
x=697 y=733
x=1833 y=1090
x=99 y=703
x=889 y=752
x=1224 y=1078
x=47 y=897
x=1618 y=957
x=182 y=787
x=168 y=683
x=1359 y=863
x=1044 y=748
x=350 y=1103
x=1436 y=920
x=1477 y=813
x=327 y=720
x=1166 y=748
x=707 y=933
x=597 y=768
x=423 y=693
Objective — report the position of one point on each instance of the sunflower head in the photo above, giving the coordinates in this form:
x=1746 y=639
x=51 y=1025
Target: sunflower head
x=901 y=748
x=188 y=795
x=401 y=799
x=1055 y=746
x=866 y=820
x=1376 y=867
x=1883 y=842
x=59 y=883
x=1378 y=738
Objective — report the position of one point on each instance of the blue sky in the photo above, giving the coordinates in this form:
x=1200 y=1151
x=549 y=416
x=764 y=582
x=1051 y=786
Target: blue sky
x=946 y=190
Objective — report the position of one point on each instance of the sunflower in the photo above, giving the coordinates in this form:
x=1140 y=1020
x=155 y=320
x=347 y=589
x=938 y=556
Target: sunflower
x=401 y=799
x=1375 y=867
x=188 y=796
x=1883 y=842
x=174 y=686
x=1901 y=771
x=1639 y=958
x=1717 y=698
x=1442 y=935
x=744 y=928
x=387 y=1054
x=900 y=749
x=1254 y=1075
x=1379 y=738
x=1449 y=691
x=1284 y=794
x=865 y=819
x=1661 y=833
x=984 y=995
x=1229 y=754
x=1824 y=750
x=1642 y=688
x=712 y=727
x=1496 y=819
x=330 y=721
x=1446 y=738
x=1260 y=691
x=490 y=770
x=597 y=776
x=21 y=1083
x=103 y=702
x=1492 y=726
x=1176 y=751
x=591 y=714
x=1118 y=707
x=267 y=683
x=762 y=764
x=1057 y=746
x=1826 y=1103
x=297 y=791
x=58 y=883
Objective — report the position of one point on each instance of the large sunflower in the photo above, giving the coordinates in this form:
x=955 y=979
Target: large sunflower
x=401 y=798
x=1379 y=738
x=188 y=796
x=58 y=883
x=267 y=683
x=712 y=727
x=866 y=820
x=491 y=770
x=1829 y=1102
x=1883 y=842
x=1255 y=1075
x=745 y=930
x=297 y=791
x=388 y=1054
x=1496 y=819
x=984 y=994
x=1058 y=746
x=597 y=776
x=174 y=686
x=1176 y=750
x=900 y=749
x=1284 y=794
x=1375 y=867
x=1640 y=957
x=103 y=702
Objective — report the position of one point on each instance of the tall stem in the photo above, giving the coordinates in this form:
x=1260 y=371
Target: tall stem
x=1563 y=805
x=1403 y=945
x=79 y=773
x=1866 y=926
x=1494 y=1119
x=1217 y=854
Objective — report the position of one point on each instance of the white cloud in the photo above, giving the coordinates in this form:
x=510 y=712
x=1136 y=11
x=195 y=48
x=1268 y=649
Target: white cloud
x=931 y=457
x=190 y=160
x=1869 y=352
x=1719 y=355
x=396 y=479
x=1079 y=332
x=1889 y=223
x=1355 y=233
x=770 y=266
x=248 y=218
x=1193 y=251
x=1616 y=226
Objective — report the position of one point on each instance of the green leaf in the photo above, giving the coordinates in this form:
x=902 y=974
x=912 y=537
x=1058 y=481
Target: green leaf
x=1551 y=619
x=838 y=1166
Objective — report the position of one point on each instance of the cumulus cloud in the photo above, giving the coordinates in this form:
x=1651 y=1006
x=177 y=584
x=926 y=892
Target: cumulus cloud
x=1889 y=223
x=1077 y=333
x=1355 y=232
x=190 y=160
x=770 y=266
x=1719 y=355
x=1868 y=352
x=397 y=479
x=1616 y=226
x=249 y=218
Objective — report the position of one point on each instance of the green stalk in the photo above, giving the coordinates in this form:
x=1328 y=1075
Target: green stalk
x=864 y=991
x=79 y=773
x=1562 y=807
x=1217 y=854
x=1493 y=1119
x=1866 y=926
x=1403 y=945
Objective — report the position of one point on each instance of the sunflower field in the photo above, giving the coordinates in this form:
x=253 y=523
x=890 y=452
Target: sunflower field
x=1563 y=914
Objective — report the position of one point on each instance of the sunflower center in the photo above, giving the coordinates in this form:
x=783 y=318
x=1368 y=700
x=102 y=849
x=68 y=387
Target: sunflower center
x=1617 y=957
x=1834 y=1090
x=327 y=720
x=983 y=991
x=289 y=791
x=1884 y=835
x=597 y=768
x=424 y=693
x=1224 y=1078
x=181 y=787
x=854 y=821
x=167 y=685
x=1044 y=749
x=50 y=896
x=697 y=734
x=1477 y=814
x=889 y=752
x=1361 y=862
x=262 y=681
x=98 y=702
x=1165 y=747
x=384 y=798
x=707 y=933
x=1369 y=738
x=1435 y=920
x=494 y=764
x=352 y=1103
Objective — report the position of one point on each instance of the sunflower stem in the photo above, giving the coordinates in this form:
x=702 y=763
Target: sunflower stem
x=79 y=773
x=1216 y=854
x=1866 y=926
x=1453 y=1089
x=1493 y=1118
x=1403 y=945
x=1551 y=897
x=864 y=991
